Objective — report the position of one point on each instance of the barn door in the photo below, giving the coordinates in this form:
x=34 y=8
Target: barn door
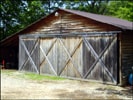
x=61 y=56
x=100 y=58
x=29 y=54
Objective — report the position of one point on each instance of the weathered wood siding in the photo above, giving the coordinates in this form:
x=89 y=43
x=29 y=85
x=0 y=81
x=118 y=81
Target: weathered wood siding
x=126 y=54
x=61 y=56
x=70 y=23
x=29 y=54
x=100 y=58
x=86 y=57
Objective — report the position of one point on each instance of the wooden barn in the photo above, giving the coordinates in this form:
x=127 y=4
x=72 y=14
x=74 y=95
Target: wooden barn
x=73 y=44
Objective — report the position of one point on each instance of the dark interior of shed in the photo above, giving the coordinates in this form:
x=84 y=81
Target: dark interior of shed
x=9 y=58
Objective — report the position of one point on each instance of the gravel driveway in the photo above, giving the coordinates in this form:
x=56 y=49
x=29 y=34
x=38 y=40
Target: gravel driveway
x=13 y=87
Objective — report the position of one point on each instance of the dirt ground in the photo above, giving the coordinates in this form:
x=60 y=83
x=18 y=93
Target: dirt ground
x=18 y=88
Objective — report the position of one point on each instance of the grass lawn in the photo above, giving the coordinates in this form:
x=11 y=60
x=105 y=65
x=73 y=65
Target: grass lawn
x=29 y=75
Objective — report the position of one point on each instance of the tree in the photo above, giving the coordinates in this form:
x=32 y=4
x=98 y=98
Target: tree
x=121 y=9
x=30 y=12
x=8 y=17
x=17 y=14
x=93 y=6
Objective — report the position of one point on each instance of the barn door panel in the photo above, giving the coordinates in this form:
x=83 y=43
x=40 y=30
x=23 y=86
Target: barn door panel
x=29 y=50
x=22 y=54
x=62 y=55
x=110 y=60
x=48 y=56
x=101 y=54
x=88 y=59
x=77 y=57
x=71 y=63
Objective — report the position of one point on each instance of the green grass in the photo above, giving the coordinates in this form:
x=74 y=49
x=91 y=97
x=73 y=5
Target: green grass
x=8 y=72
x=29 y=75
x=41 y=77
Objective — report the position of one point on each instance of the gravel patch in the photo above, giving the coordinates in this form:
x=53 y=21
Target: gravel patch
x=19 y=88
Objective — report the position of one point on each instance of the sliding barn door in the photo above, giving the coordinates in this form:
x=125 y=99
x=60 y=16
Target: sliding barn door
x=29 y=54
x=61 y=56
x=90 y=57
x=100 y=58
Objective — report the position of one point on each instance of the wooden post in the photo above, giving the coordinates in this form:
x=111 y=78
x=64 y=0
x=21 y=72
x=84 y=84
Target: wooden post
x=120 y=59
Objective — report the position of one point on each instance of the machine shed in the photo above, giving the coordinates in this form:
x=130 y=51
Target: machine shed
x=74 y=44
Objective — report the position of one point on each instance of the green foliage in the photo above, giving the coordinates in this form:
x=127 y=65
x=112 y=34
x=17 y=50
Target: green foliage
x=34 y=76
x=93 y=6
x=121 y=9
x=8 y=19
x=17 y=14
x=29 y=75
x=8 y=72
x=33 y=10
